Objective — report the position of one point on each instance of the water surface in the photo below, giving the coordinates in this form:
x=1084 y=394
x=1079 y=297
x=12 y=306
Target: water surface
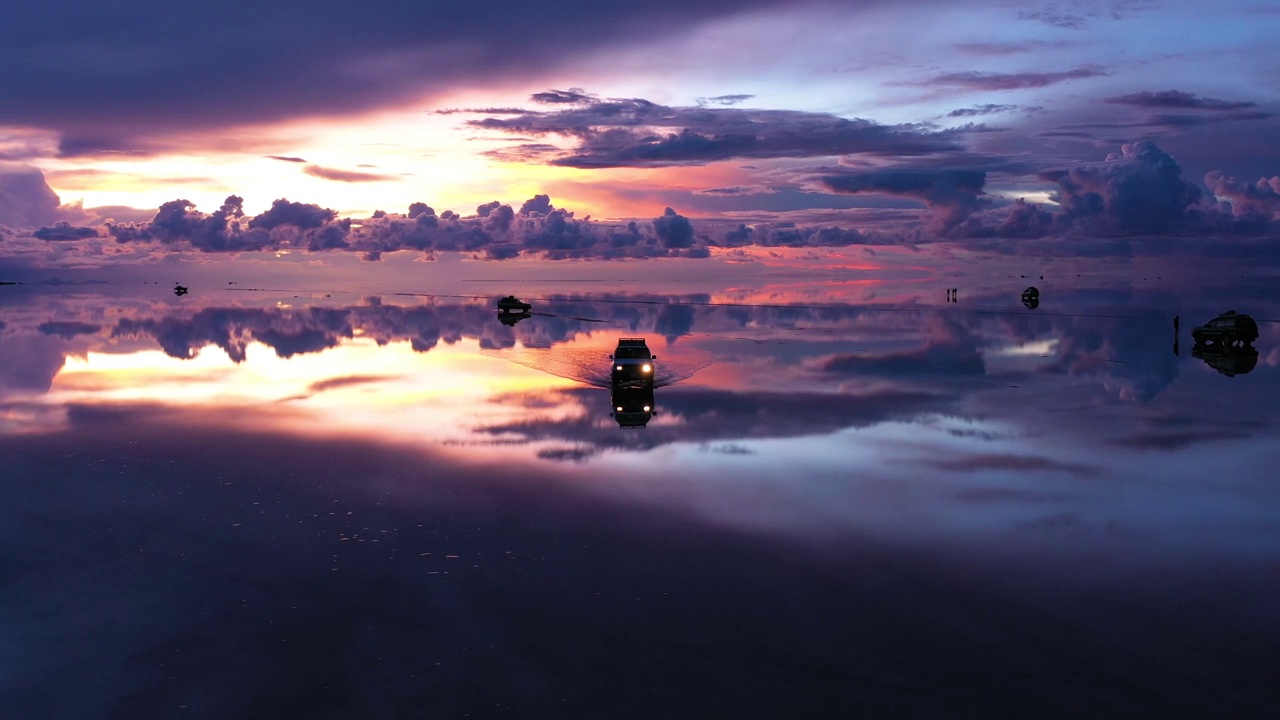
x=252 y=503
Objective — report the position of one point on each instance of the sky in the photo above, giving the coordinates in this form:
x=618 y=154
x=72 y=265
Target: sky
x=143 y=130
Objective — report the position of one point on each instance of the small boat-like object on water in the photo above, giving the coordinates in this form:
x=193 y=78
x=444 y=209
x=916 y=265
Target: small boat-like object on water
x=179 y=290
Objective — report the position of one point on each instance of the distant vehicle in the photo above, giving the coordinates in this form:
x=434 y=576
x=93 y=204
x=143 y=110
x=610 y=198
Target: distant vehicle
x=1228 y=329
x=1226 y=359
x=1031 y=298
x=179 y=290
x=633 y=405
x=632 y=363
x=512 y=304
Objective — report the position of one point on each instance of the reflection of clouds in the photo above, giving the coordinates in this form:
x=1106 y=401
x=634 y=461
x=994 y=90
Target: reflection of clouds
x=1011 y=463
x=1175 y=431
x=699 y=415
x=30 y=362
x=951 y=350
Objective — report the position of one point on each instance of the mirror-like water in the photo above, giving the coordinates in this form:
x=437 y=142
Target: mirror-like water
x=255 y=504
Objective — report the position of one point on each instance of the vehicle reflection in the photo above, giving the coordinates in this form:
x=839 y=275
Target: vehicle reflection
x=633 y=406
x=1031 y=298
x=511 y=318
x=1227 y=359
x=1225 y=343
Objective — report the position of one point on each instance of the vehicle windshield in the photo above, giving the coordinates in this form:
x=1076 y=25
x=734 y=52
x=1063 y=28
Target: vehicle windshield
x=631 y=353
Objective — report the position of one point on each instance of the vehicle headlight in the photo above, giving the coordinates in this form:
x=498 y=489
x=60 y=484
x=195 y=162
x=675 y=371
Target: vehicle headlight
x=647 y=408
x=617 y=367
x=619 y=408
x=646 y=367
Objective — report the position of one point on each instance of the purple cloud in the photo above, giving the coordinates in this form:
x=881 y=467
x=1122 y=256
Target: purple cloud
x=144 y=70
x=1138 y=191
x=1259 y=202
x=65 y=231
x=986 y=109
x=26 y=200
x=639 y=133
x=994 y=81
x=950 y=196
x=1178 y=99
x=349 y=176
x=562 y=97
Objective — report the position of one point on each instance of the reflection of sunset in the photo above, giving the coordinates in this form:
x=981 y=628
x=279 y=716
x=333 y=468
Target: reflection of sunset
x=358 y=384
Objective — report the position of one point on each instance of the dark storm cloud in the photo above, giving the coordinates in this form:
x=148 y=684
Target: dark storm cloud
x=106 y=76
x=639 y=133
x=995 y=81
x=1178 y=99
x=350 y=176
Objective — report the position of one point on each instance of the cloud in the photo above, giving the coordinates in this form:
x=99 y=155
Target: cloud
x=145 y=69
x=68 y=329
x=1011 y=463
x=349 y=176
x=1251 y=203
x=703 y=415
x=65 y=231
x=26 y=200
x=993 y=81
x=950 y=196
x=639 y=133
x=1178 y=99
x=985 y=109
x=725 y=99
x=562 y=97
x=1138 y=191
x=952 y=351
x=285 y=225
x=286 y=158
x=1055 y=17
x=997 y=49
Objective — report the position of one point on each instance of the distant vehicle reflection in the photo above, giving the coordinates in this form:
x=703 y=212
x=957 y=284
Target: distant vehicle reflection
x=632 y=405
x=1031 y=298
x=511 y=318
x=1226 y=359
x=1225 y=343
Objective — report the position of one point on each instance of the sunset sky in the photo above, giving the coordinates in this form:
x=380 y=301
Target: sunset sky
x=759 y=124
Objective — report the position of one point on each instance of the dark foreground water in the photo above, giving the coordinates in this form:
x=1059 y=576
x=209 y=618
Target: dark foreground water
x=260 y=505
